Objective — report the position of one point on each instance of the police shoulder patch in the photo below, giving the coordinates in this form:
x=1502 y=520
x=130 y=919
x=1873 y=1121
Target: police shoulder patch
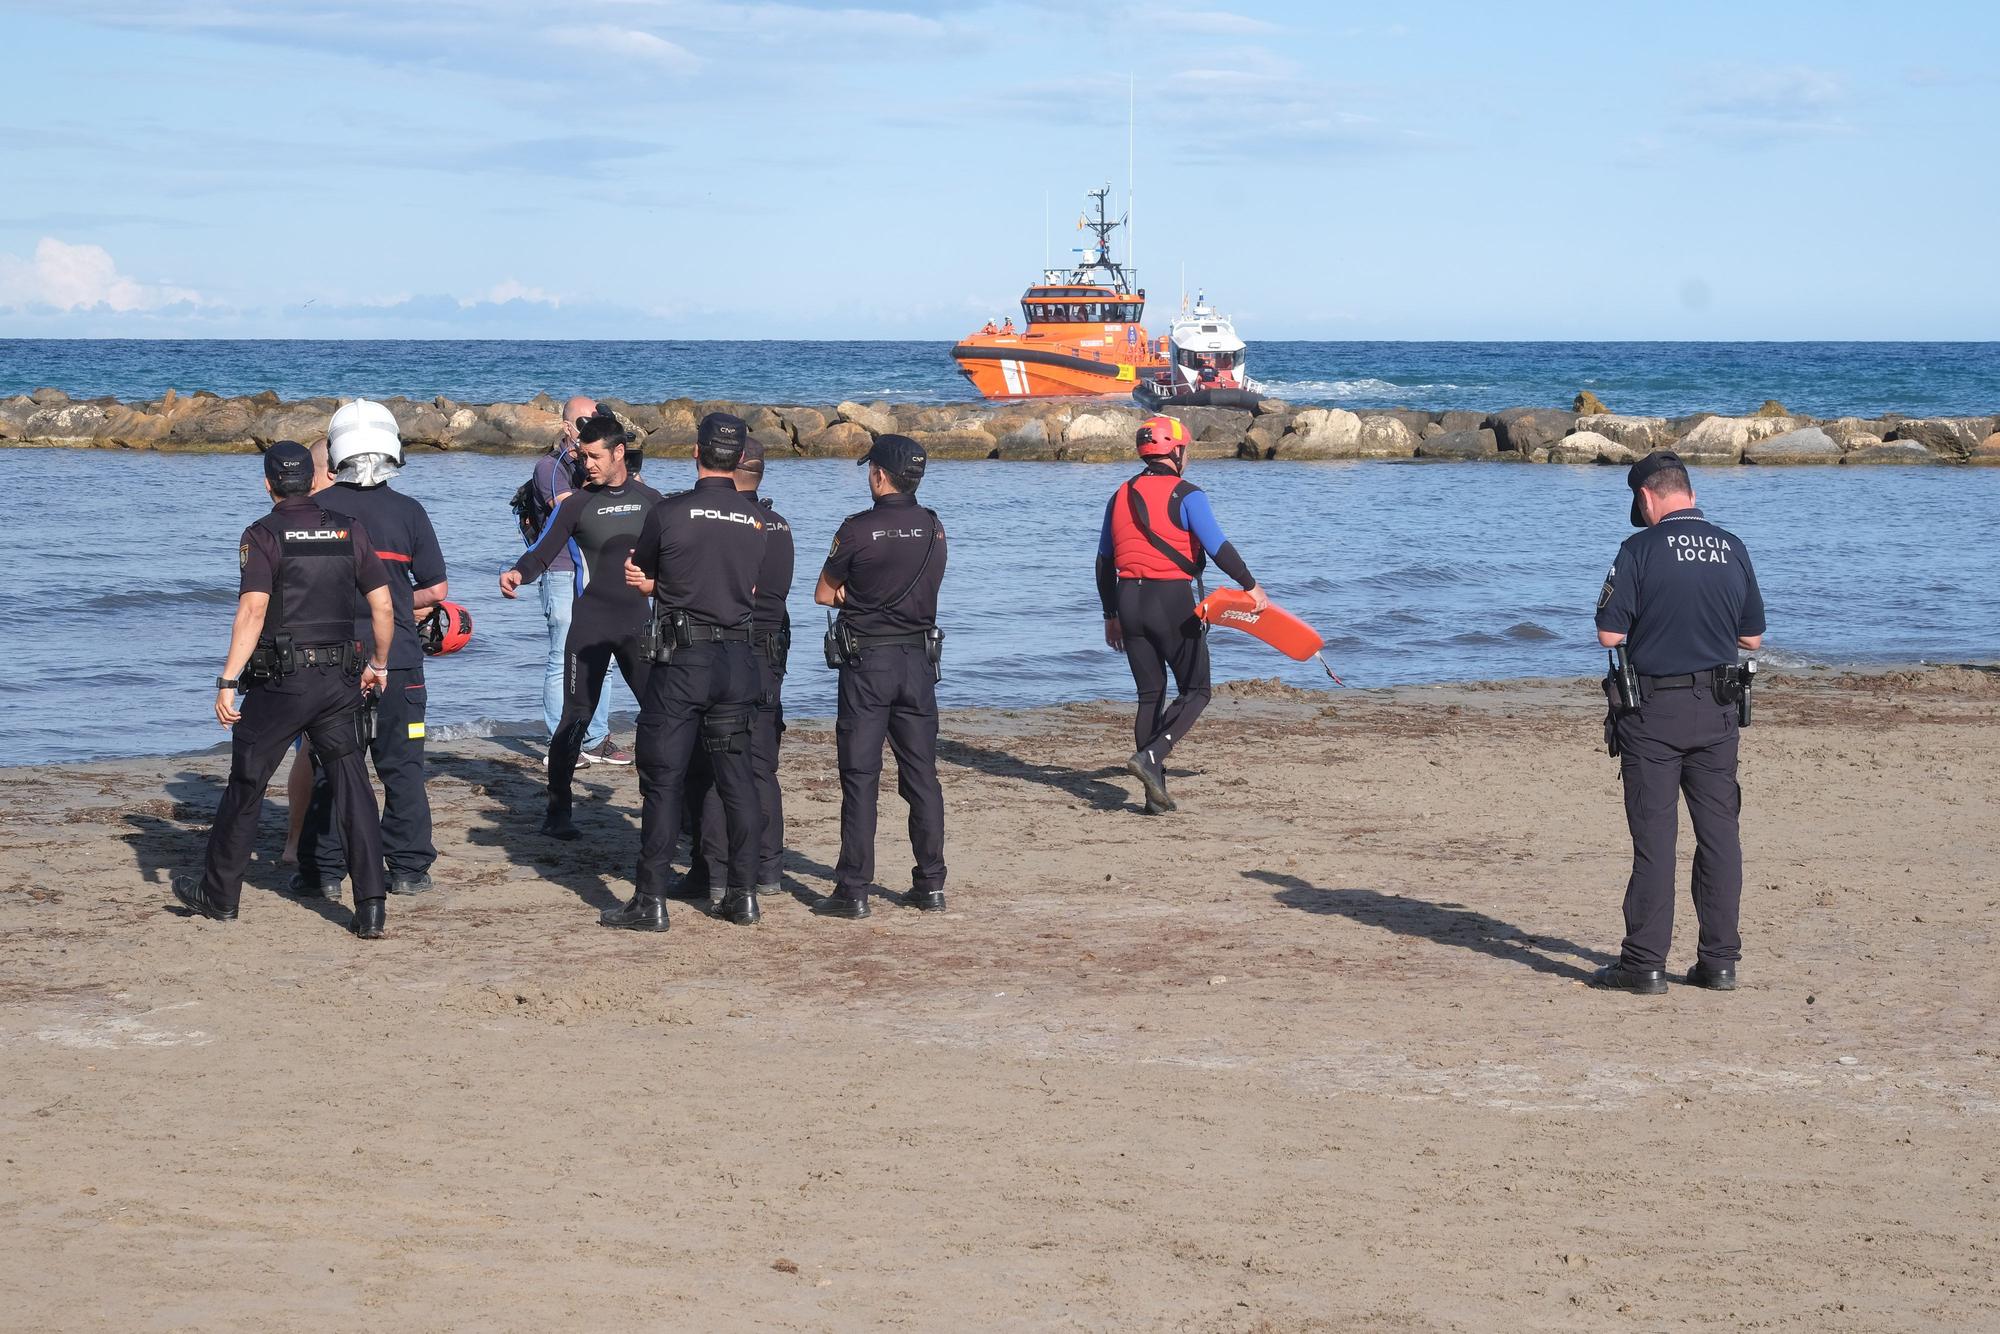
x=243 y=555
x=1610 y=582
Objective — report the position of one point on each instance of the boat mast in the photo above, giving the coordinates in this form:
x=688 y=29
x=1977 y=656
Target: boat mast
x=1101 y=227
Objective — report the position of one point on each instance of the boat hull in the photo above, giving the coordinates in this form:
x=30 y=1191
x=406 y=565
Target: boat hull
x=1153 y=396
x=1009 y=370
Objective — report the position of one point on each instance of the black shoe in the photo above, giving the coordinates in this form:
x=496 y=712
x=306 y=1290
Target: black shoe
x=188 y=890
x=368 y=918
x=926 y=900
x=419 y=883
x=1714 y=976
x=740 y=907
x=771 y=887
x=301 y=887
x=1152 y=776
x=1152 y=809
x=839 y=905
x=691 y=887
x=557 y=824
x=643 y=913
x=1639 y=981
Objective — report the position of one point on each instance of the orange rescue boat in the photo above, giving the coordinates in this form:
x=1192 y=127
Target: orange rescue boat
x=1081 y=334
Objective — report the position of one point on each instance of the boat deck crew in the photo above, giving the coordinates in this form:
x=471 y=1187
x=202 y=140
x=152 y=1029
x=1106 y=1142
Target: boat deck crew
x=883 y=574
x=1158 y=534
x=597 y=525
x=770 y=643
x=698 y=557
x=1682 y=598
x=302 y=568
x=365 y=450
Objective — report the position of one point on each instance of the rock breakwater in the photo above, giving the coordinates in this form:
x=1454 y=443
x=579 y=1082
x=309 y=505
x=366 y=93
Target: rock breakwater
x=1082 y=430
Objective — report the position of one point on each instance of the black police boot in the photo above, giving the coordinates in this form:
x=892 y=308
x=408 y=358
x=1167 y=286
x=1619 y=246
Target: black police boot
x=304 y=887
x=419 y=883
x=926 y=900
x=369 y=914
x=740 y=907
x=643 y=913
x=1152 y=776
x=557 y=824
x=771 y=887
x=188 y=890
x=1640 y=981
x=693 y=887
x=839 y=905
x=1714 y=976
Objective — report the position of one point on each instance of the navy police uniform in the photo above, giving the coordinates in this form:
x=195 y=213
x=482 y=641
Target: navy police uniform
x=408 y=547
x=889 y=560
x=703 y=549
x=313 y=564
x=1682 y=592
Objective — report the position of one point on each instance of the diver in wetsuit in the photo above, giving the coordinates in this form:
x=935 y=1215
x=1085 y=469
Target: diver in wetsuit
x=1158 y=534
x=598 y=523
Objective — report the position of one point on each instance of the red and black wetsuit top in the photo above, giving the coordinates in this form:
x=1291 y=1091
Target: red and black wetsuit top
x=406 y=543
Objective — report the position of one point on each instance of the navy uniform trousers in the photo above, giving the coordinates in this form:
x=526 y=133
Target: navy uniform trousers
x=322 y=702
x=398 y=751
x=891 y=693
x=705 y=818
x=1681 y=743
x=704 y=697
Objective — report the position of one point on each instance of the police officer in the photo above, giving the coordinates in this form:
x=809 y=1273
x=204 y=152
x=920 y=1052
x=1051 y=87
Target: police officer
x=1157 y=535
x=598 y=524
x=302 y=569
x=883 y=574
x=1682 y=598
x=365 y=451
x=770 y=643
x=698 y=557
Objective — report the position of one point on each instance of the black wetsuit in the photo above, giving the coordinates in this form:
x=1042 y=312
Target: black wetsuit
x=597 y=525
x=407 y=544
x=890 y=559
x=770 y=641
x=704 y=548
x=314 y=564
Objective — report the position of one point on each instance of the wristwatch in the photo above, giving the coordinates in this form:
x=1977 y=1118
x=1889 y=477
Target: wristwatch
x=226 y=683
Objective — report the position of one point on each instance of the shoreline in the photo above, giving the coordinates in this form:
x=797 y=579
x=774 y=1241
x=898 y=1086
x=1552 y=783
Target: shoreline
x=1048 y=430
x=1315 y=1051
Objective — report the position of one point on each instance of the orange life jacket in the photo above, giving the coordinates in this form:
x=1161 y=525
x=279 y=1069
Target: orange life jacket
x=1146 y=542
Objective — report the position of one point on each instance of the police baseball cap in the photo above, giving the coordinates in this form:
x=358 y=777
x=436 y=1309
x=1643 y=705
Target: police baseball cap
x=720 y=439
x=286 y=460
x=752 y=457
x=1654 y=462
x=899 y=456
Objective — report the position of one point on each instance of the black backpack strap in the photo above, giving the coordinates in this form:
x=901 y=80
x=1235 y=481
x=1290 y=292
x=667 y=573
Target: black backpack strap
x=1143 y=522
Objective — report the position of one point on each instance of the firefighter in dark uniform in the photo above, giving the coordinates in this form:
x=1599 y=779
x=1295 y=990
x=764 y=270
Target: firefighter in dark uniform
x=364 y=450
x=697 y=557
x=883 y=575
x=770 y=643
x=1681 y=599
x=292 y=653
x=1157 y=534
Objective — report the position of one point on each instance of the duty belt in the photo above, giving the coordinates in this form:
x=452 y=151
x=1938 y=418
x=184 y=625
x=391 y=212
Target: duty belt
x=917 y=640
x=323 y=655
x=1685 y=682
x=695 y=633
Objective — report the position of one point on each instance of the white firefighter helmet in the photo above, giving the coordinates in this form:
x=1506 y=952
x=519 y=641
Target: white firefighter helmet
x=362 y=427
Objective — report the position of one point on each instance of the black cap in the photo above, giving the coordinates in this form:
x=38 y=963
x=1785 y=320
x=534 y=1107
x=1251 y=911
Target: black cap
x=899 y=456
x=752 y=457
x=1644 y=468
x=720 y=439
x=287 y=459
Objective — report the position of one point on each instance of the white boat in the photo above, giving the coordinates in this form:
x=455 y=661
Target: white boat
x=1206 y=364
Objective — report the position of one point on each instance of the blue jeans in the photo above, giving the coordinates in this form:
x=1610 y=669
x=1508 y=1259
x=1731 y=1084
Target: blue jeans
x=558 y=595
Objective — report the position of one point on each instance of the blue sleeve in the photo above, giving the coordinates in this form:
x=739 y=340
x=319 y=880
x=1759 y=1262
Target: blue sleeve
x=1104 y=534
x=1200 y=521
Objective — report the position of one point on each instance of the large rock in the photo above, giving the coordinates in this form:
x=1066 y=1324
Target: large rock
x=1413 y=418
x=1385 y=437
x=1895 y=452
x=874 y=418
x=1988 y=451
x=14 y=414
x=1214 y=424
x=1641 y=435
x=1590 y=447
x=1587 y=404
x=303 y=423
x=423 y=425
x=467 y=428
x=1321 y=433
x=1525 y=430
x=47 y=397
x=1946 y=437
x=1723 y=439
x=1480 y=444
x=1103 y=424
x=65 y=422
x=1771 y=407
x=963 y=442
x=523 y=426
x=1265 y=434
x=214 y=421
x=1808 y=444
x=1461 y=419
x=804 y=422
x=1023 y=437
x=841 y=440
x=677 y=429
x=1853 y=432
x=129 y=426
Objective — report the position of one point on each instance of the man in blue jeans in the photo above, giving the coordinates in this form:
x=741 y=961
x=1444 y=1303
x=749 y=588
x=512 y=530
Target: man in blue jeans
x=553 y=481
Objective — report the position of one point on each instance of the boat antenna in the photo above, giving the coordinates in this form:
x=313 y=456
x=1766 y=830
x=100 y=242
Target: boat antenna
x=1131 y=174
x=1045 y=229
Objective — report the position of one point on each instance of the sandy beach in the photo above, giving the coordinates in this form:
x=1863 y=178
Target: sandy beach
x=1312 y=1054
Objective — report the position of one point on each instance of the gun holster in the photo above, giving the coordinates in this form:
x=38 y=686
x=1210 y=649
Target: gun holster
x=934 y=652
x=1733 y=685
x=665 y=632
x=843 y=646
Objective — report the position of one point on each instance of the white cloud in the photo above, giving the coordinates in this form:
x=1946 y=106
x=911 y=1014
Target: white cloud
x=634 y=43
x=1763 y=103
x=1211 y=22
x=81 y=277
x=511 y=290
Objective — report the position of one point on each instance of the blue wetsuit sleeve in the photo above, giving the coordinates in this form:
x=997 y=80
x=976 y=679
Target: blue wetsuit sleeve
x=554 y=535
x=1104 y=547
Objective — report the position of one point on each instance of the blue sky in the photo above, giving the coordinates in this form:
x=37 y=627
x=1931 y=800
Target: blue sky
x=661 y=168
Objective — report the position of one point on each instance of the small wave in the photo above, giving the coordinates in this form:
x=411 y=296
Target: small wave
x=1530 y=632
x=483 y=727
x=154 y=597
x=1366 y=387
x=1422 y=574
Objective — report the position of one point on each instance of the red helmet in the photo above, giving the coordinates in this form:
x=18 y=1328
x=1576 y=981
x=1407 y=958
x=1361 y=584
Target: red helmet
x=1161 y=436
x=447 y=629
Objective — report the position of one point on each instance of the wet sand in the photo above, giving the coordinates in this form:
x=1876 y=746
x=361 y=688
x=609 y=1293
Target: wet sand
x=1314 y=1053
